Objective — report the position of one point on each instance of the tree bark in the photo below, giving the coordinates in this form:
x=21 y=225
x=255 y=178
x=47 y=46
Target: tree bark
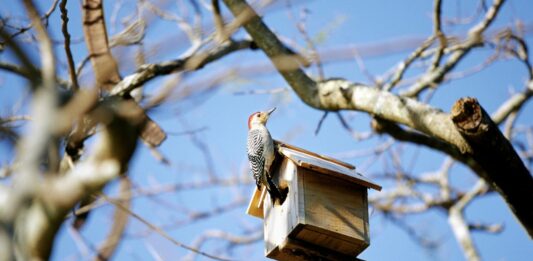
x=504 y=170
x=105 y=67
x=94 y=29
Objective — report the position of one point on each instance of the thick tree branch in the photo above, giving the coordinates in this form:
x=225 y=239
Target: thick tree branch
x=56 y=196
x=339 y=94
x=33 y=146
x=45 y=215
x=505 y=171
x=94 y=30
x=106 y=69
x=45 y=44
x=281 y=57
x=398 y=133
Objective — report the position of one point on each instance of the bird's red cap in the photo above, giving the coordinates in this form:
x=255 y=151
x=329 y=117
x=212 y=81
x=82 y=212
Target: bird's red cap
x=250 y=119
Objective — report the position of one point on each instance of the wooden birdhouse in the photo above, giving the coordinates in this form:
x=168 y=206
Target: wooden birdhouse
x=325 y=213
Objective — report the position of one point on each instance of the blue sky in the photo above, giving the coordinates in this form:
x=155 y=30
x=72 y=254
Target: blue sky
x=225 y=114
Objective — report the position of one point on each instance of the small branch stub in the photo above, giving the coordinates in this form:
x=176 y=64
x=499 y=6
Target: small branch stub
x=467 y=116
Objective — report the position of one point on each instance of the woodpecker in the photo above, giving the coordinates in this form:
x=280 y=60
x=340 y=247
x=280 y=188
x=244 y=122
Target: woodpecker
x=260 y=147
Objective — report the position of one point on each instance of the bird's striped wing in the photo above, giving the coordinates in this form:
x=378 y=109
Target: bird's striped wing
x=255 y=155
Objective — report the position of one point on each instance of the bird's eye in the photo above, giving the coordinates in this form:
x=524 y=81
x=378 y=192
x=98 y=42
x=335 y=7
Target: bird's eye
x=258 y=115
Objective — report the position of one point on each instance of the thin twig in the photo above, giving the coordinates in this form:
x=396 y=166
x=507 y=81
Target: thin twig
x=82 y=64
x=27 y=70
x=44 y=18
x=402 y=67
x=458 y=224
x=437 y=32
x=361 y=64
x=120 y=222
x=319 y=125
x=221 y=35
x=300 y=25
x=159 y=230
x=262 y=91
x=474 y=39
x=66 y=35
x=187 y=132
x=182 y=24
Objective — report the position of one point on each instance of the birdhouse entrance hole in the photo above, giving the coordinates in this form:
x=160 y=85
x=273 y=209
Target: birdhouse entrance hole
x=280 y=183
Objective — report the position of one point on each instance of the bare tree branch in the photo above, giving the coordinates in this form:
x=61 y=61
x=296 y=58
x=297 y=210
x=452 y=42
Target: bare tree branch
x=150 y=71
x=460 y=227
x=497 y=156
x=383 y=126
x=94 y=29
x=160 y=231
x=219 y=22
x=15 y=69
x=474 y=39
x=402 y=67
x=438 y=34
x=513 y=104
x=120 y=221
x=44 y=19
x=66 y=35
x=230 y=239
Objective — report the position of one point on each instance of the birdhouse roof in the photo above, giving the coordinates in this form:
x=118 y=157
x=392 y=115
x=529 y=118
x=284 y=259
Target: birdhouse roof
x=324 y=164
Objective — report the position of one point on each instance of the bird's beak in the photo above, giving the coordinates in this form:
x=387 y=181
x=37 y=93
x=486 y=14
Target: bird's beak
x=271 y=111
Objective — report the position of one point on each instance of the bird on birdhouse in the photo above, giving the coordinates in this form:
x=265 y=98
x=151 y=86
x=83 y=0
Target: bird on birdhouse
x=260 y=148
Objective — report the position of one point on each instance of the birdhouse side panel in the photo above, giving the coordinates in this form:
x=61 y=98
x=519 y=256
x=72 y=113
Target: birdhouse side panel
x=335 y=207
